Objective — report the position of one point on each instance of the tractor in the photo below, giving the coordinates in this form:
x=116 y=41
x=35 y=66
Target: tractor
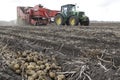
x=69 y=16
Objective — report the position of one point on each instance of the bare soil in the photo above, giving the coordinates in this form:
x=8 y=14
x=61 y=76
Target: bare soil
x=84 y=52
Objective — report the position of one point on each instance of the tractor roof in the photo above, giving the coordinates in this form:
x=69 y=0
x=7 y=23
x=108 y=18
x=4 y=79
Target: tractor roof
x=68 y=5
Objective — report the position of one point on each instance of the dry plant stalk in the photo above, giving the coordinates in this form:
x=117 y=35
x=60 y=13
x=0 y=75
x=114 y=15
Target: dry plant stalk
x=103 y=60
x=67 y=72
x=102 y=66
x=83 y=68
x=87 y=76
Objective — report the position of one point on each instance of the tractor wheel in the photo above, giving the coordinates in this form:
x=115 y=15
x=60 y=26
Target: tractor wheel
x=59 y=20
x=73 y=21
x=86 y=23
x=81 y=22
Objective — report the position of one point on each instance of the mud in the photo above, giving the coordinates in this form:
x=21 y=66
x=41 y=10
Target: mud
x=85 y=53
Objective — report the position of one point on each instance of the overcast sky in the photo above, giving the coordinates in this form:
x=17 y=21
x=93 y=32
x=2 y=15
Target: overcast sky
x=101 y=10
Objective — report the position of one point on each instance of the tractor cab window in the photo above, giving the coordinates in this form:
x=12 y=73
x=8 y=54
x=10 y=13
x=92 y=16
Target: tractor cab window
x=73 y=8
x=64 y=10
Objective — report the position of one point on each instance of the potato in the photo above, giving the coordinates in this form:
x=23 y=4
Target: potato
x=58 y=70
x=41 y=73
x=41 y=78
x=47 y=64
x=58 y=67
x=30 y=72
x=18 y=71
x=15 y=56
x=32 y=63
x=35 y=58
x=16 y=66
x=40 y=63
x=27 y=52
x=25 y=64
x=34 y=76
x=30 y=78
x=30 y=67
x=52 y=74
x=13 y=62
x=37 y=67
x=19 y=54
x=24 y=54
x=47 y=68
x=61 y=77
x=30 y=58
x=22 y=61
x=53 y=58
x=10 y=64
x=46 y=71
x=25 y=75
x=32 y=54
x=53 y=66
x=45 y=61
x=42 y=67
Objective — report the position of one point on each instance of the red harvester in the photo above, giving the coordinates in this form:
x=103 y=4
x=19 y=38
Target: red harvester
x=37 y=15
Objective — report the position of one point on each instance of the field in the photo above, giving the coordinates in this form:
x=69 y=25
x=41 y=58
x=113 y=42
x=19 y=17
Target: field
x=83 y=52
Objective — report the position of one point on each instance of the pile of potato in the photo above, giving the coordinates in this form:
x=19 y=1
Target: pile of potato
x=35 y=66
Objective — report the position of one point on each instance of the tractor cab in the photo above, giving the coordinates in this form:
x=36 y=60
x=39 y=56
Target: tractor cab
x=68 y=9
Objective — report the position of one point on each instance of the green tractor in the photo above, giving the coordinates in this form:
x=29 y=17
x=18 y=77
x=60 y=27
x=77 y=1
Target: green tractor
x=70 y=16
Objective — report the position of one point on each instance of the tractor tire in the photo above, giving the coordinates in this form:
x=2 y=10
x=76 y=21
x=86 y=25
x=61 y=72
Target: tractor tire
x=73 y=21
x=59 y=20
x=86 y=23
x=81 y=23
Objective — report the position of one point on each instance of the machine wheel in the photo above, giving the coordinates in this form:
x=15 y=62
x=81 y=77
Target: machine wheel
x=86 y=23
x=36 y=24
x=59 y=20
x=45 y=21
x=73 y=21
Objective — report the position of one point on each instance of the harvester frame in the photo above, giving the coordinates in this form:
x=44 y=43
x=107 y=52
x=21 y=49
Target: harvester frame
x=37 y=15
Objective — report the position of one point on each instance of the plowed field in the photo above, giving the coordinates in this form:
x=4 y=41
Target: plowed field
x=83 y=52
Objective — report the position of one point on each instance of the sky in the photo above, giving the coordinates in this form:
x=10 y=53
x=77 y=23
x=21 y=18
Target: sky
x=100 y=10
